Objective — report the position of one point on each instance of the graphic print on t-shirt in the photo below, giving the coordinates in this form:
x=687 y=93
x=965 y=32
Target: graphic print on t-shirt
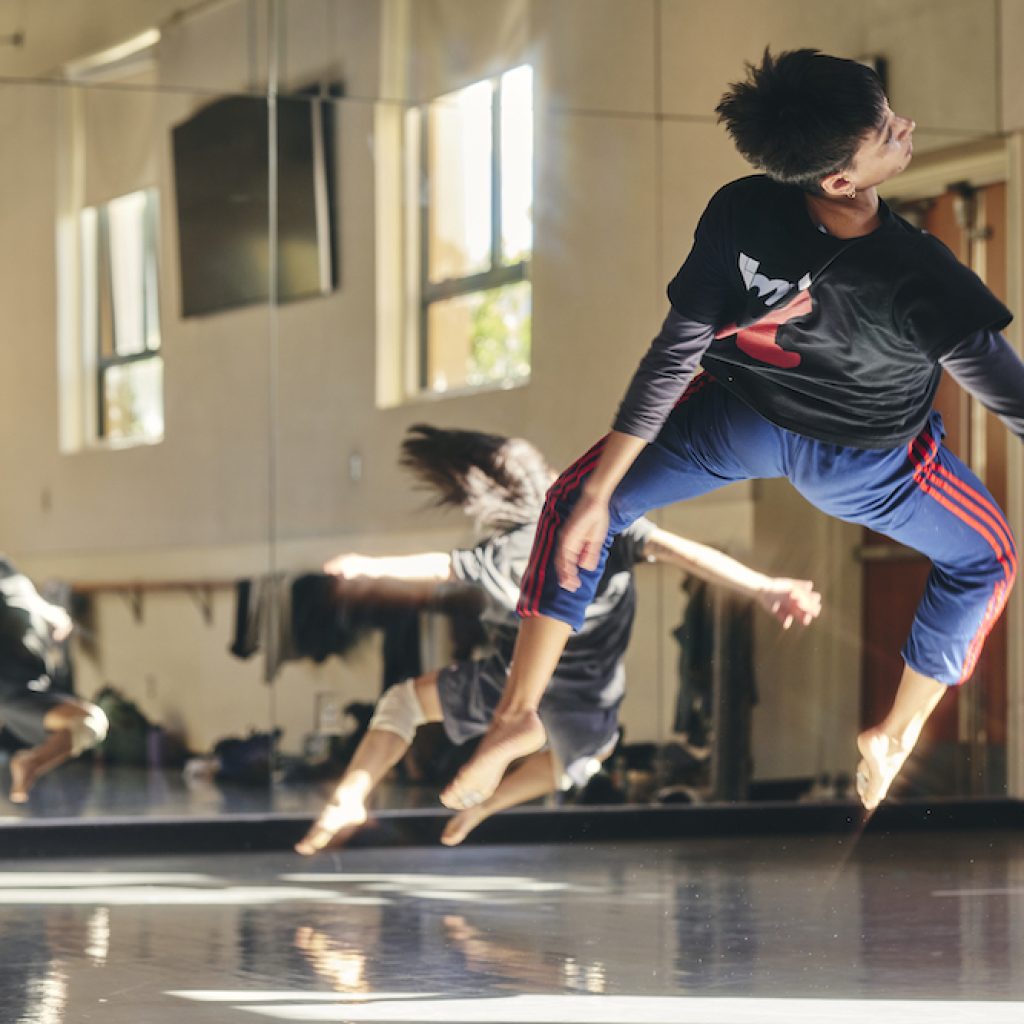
x=770 y=290
x=759 y=340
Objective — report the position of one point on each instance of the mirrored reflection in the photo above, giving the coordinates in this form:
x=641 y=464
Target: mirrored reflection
x=200 y=45
x=253 y=245
x=718 y=701
x=140 y=492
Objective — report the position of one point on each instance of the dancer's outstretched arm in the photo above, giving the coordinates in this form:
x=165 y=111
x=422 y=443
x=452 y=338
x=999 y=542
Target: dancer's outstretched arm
x=425 y=566
x=397 y=577
x=21 y=593
x=516 y=730
x=787 y=599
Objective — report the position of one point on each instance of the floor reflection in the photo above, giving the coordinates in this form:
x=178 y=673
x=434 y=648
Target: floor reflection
x=342 y=966
x=84 y=789
x=924 y=927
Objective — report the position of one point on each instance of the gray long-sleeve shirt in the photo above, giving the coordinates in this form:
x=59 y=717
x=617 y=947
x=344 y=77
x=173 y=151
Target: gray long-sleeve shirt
x=984 y=364
x=663 y=375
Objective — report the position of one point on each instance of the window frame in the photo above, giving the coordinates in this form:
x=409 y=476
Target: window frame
x=499 y=275
x=101 y=304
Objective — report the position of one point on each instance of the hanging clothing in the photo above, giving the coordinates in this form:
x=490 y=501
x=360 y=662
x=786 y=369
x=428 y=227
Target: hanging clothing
x=700 y=650
x=291 y=617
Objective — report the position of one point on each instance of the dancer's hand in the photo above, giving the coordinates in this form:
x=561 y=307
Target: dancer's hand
x=581 y=540
x=59 y=621
x=350 y=566
x=790 y=601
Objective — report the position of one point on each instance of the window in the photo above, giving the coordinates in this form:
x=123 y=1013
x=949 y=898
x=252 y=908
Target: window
x=475 y=190
x=120 y=321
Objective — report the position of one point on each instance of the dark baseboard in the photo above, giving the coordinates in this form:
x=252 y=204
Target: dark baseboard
x=275 y=832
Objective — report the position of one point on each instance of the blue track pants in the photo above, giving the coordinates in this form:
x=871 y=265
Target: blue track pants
x=918 y=494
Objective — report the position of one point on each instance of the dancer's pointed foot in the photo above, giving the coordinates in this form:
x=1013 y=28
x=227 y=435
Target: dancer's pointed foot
x=881 y=759
x=24 y=772
x=510 y=737
x=344 y=814
x=457 y=828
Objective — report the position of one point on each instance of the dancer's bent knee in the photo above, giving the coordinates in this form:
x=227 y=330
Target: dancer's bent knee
x=88 y=731
x=399 y=711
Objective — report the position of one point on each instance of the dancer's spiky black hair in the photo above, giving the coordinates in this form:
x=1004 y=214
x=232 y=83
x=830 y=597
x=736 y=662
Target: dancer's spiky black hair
x=499 y=481
x=801 y=115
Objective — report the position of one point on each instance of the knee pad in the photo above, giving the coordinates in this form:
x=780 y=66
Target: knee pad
x=399 y=711
x=88 y=731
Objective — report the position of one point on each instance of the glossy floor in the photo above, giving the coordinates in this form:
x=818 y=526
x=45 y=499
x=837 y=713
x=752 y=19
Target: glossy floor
x=82 y=789
x=900 y=928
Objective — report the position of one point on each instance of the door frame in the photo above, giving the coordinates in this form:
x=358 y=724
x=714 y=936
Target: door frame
x=999 y=158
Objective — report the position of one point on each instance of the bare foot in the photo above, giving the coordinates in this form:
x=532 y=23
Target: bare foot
x=881 y=759
x=23 y=775
x=458 y=928
x=509 y=738
x=345 y=813
x=457 y=828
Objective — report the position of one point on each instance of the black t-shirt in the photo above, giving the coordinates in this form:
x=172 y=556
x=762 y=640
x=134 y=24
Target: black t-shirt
x=592 y=653
x=835 y=339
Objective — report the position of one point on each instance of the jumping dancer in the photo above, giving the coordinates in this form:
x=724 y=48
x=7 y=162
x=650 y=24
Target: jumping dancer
x=501 y=483
x=56 y=726
x=822 y=321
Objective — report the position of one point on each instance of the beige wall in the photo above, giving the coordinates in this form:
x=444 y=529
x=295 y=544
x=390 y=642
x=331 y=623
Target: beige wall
x=627 y=152
x=943 y=66
x=1011 y=40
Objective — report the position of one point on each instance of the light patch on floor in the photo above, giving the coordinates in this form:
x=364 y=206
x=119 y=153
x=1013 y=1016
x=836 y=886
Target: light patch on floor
x=573 y=1009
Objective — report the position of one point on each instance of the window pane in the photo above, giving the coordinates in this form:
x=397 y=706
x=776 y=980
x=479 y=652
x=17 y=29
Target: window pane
x=459 y=176
x=89 y=239
x=104 y=298
x=127 y=224
x=482 y=338
x=151 y=314
x=517 y=164
x=133 y=400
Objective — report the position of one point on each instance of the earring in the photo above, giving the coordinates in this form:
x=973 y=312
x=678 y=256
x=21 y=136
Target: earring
x=853 y=194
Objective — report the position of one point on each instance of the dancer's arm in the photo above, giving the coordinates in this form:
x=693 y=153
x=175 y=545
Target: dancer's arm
x=662 y=376
x=787 y=599
x=399 y=578
x=56 y=618
x=23 y=594
x=59 y=621
x=585 y=530
x=986 y=365
x=428 y=566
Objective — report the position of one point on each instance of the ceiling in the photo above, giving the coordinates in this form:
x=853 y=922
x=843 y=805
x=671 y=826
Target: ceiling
x=38 y=37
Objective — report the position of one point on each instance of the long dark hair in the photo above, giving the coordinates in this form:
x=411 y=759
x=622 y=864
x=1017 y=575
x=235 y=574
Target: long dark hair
x=499 y=481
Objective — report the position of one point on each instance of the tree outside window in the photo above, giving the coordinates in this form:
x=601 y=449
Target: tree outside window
x=121 y=317
x=476 y=234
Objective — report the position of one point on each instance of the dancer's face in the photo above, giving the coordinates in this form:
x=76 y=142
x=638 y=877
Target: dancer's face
x=883 y=153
